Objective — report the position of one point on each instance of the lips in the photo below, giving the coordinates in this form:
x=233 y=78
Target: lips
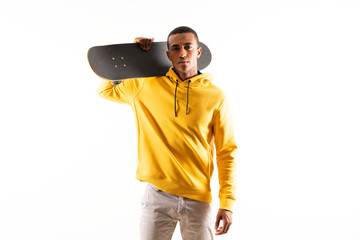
x=183 y=62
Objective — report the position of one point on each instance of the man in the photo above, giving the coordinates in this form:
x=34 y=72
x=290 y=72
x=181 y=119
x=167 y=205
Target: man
x=179 y=119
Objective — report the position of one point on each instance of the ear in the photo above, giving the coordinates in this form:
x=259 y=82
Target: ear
x=199 y=50
x=168 y=55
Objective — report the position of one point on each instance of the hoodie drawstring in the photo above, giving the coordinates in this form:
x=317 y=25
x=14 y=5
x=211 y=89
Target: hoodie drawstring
x=177 y=83
x=187 y=100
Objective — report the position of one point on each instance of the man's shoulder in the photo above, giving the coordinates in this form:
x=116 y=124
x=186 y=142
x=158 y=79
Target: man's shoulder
x=142 y=82
x=142 y=79
x=218 y=91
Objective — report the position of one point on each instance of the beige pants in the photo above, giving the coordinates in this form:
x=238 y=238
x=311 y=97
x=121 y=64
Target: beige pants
x=161 y=211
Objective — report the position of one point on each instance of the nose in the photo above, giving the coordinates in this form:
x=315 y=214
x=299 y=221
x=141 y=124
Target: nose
x=182 y=53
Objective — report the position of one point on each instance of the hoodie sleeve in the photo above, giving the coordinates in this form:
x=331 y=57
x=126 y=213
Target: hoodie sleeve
x=125 y=92
x=225 y=155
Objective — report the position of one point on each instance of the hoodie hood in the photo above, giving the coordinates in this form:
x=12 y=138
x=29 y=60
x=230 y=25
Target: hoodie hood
x=200 y=80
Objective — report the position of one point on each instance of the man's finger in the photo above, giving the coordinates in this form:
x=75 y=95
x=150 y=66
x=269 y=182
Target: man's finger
x=226 y=227
x=219 y=231
x=147 y=44
x=228 y=224
x=217 y=223
x=151 y=40
x=143 y=44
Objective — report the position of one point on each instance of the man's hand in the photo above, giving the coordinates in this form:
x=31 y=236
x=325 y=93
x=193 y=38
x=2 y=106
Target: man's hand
x=226 y=217
x=144 y=43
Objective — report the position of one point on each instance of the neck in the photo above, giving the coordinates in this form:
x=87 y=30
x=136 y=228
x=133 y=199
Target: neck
x=186 y=75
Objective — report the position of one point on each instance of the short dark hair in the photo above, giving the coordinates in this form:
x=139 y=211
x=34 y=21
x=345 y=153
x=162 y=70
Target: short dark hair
x=183 y=29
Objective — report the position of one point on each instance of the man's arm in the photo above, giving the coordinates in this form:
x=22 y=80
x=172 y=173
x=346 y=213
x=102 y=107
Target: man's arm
x=123 y=93
x=225 y=157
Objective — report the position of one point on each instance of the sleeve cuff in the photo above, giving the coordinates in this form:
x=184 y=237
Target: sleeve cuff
x=227 y=203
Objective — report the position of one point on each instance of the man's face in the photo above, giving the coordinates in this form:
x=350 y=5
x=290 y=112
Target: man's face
x=183 y=53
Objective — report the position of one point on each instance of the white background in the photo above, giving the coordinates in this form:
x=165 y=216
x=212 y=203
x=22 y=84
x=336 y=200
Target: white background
x=290 y=70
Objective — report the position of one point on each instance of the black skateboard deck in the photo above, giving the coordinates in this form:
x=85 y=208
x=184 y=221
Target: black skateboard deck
x=123 y=61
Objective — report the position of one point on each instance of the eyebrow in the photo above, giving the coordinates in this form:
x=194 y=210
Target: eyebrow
x=177 y=45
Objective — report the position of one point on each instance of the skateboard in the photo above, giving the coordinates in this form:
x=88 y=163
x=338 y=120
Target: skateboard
x=123 y=61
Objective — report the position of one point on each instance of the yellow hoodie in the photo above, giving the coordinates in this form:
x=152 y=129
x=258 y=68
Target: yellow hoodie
x=178 y=123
